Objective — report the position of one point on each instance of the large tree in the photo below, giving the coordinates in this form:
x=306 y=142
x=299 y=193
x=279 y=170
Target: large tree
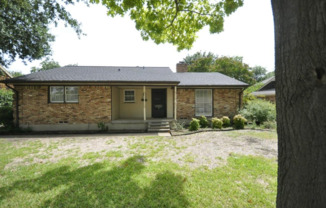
x=46 y=65
x=259 y=73
x=24 y=27
x=230 y=66
x=300 y=48
x=173 y=21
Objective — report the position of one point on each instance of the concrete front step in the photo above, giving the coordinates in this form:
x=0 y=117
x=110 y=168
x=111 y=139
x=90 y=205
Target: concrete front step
x=158 y=123
x=158 y=126
x=162 y=126
x=158 y=130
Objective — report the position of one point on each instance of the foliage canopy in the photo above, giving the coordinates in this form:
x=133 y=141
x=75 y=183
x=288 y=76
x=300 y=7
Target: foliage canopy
x=46 y=65
x=173 y=21
x=230 y=66
x=25 y=27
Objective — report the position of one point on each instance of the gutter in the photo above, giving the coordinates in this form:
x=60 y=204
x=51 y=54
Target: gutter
x=17 y=104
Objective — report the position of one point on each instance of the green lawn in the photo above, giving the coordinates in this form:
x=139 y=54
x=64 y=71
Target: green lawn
x=135 y=181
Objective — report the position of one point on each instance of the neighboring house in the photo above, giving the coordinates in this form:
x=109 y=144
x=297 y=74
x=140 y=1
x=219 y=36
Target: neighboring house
x=4 y=74
x=267 y=91
x=121 y=98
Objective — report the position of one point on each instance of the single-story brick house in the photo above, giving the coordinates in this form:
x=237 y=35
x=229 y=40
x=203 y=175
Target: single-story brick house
x=267 y=90
x=122 y=98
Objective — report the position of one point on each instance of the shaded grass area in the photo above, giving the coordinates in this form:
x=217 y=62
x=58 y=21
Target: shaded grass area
x=137 y=181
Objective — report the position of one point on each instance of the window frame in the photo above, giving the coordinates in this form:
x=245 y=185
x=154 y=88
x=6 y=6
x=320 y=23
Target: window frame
x=124 y=96
x=64 y=95
x=207 y=114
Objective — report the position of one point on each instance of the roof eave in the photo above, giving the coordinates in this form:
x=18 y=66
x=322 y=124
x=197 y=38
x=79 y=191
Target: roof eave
x=216 y=86
x=19 y=82
x=5 y=71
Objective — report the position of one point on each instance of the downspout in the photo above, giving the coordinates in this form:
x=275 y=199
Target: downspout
x=240 y=93
x=17 y=104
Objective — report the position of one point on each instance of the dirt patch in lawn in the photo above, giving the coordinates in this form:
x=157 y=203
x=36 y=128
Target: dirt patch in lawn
x=210 y=149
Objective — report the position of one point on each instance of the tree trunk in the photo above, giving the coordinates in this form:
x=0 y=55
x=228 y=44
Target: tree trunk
x=300 y=35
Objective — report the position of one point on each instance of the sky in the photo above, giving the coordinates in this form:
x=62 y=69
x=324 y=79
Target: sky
x=249 y=32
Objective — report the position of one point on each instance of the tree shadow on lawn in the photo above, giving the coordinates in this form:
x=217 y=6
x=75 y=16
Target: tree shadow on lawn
x=96 y=186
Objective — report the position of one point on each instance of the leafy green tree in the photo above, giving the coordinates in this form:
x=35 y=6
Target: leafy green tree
x=16 y=73
x=270 y=74
x=201 y=65
x=46 y=65
x=190 y=59
x=259 y=73
x=234 y=67
x=247 y=93
x=25 y=27
x=6 y=97
x=200 y=61
x=230 y=66
x=173 y=21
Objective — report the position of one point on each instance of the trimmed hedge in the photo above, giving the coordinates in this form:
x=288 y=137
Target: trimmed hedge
x=203 y=122
x=194 y=124
x=239 y=122
x=226 y=121
x=217 y=123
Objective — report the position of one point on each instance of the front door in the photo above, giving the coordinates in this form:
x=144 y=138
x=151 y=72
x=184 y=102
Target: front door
x=159 y=103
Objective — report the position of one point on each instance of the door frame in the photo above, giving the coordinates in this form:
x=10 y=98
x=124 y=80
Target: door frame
x=165 y=104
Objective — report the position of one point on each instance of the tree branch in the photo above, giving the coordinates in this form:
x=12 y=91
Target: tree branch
x=176 y=13
x=186 y=10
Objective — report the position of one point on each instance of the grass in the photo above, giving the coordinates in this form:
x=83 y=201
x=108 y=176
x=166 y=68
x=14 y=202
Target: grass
x=137 y=181
x=255 y=134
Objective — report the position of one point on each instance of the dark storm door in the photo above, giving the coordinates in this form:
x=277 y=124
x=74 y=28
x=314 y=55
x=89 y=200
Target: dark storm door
x=159 y=103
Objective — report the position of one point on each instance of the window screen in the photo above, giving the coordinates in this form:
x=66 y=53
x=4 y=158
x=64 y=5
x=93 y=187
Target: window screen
x=57 y=94
x=61 y=94
x=203 y=102
x=71 y=94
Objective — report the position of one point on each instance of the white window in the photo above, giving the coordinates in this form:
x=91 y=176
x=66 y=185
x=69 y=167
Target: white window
x=203 y=102
x=61 y=94
x=129 y=96
x=71 y=94
x=57 y=94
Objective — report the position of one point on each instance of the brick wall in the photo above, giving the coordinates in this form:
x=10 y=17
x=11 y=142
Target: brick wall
x=94 y=106
x=225 y=101
x=185 y=103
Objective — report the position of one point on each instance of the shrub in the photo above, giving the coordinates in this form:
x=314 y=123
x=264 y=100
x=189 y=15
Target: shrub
x=102 y=126
x=6 y=97
x=177 y=125
x=247 y=93
x=226 y=121
x=269 y=125
x=216 y=123
x=239 y=122
x=203 y=122
x=6 y=116
x=194 y=125
x=259 y=111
